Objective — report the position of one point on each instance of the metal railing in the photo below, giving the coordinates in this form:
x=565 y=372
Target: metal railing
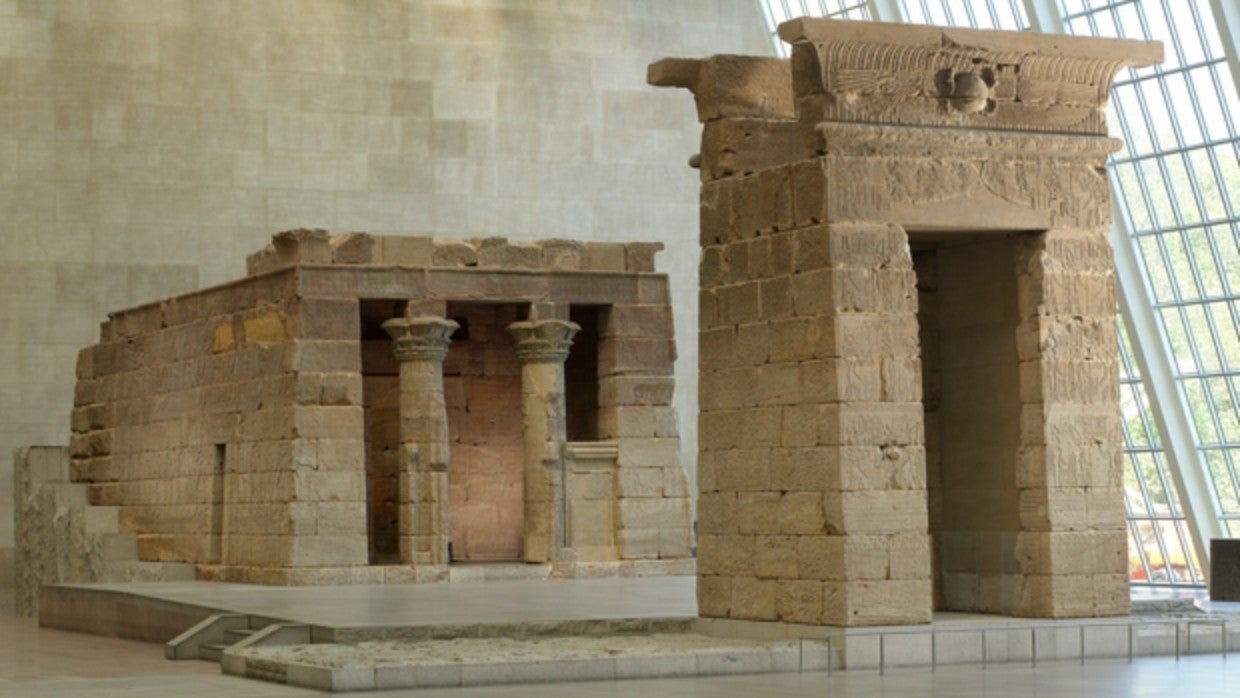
x=1183 y=628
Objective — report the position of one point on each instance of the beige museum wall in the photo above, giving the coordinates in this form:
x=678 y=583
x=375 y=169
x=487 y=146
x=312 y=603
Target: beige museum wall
x=146 y=146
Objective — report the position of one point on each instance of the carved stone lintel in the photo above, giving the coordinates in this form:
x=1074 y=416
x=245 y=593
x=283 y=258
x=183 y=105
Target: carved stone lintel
x=543 y=341
x=421 y=338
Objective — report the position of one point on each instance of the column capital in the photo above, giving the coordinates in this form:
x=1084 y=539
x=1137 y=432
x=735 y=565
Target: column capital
x=543 y=341
x=421 y=338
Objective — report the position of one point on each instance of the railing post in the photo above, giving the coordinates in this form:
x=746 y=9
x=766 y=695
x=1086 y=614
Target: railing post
x=830 y=655
x=882 y=653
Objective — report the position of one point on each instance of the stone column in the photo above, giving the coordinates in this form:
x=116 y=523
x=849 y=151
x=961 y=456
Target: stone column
x=542 y=347
x=420 y=344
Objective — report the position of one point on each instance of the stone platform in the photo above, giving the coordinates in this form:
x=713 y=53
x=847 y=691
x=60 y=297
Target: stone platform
x=534 y=630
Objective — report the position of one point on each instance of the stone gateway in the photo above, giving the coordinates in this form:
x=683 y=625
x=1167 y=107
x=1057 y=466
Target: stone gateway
x=908 y=383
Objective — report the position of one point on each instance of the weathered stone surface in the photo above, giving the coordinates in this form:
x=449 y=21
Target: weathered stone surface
x=267 y=432
x=907 y=379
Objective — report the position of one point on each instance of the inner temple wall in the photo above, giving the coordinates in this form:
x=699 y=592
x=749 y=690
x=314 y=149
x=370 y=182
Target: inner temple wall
x=381 y=408
x=482 y=392
x=972 y=315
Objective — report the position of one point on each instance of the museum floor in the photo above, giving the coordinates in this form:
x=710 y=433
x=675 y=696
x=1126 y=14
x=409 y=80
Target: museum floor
x=43 y=662
x=40 y=662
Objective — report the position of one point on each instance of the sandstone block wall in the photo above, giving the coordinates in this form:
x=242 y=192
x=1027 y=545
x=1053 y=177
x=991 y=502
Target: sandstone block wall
x=228 y=428
x=261 y=429
x=892 y=236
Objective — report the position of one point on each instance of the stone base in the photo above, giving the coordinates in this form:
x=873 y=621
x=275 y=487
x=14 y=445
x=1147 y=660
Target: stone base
x=686 y=566
x=424 y=574
x=324 y=576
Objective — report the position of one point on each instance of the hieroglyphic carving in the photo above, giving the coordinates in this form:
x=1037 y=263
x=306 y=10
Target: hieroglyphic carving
x=873 y=188
x=952 y=84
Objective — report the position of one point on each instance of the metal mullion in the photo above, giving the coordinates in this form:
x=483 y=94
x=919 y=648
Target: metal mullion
x=1143 y=487
x=1135 y=532
x=1204 y=299
x=1146 y=424
x=1227 y=20
x=1160 y=71
x=1218 y=423
x=1162 y=547
x=1218 y=348
x=1185 y=149
x=1174 y=27
x=1175 y=505
x=1125 y=124
x=1197 y=503
x=1234 y=471
x=1200 y=287
x=1177 y=297
x=1166 y=402
x=1209 y=223
x=993 y=13
x=787 y=13
x=1187 y=550
x=1233 y=216
x=1094 y=10
x=947 y=12
x=1192 y=343
x=1207 y=374
x=970 y=15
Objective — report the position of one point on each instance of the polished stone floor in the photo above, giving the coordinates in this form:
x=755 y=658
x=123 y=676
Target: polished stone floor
x=41 y=662
x=37 y=663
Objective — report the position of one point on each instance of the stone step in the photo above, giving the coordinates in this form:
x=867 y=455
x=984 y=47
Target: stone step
x=134 y=570
x=212 y=652
x=232 y=637
x=496 y=571
x=476 y=661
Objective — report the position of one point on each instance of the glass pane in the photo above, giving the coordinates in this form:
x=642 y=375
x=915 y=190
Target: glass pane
x=1183 y=33
x=1199 y=407
x=1206 y=180
x=1182 y=189
x=1217 y=125
x=1160 y=116
x=1181 y=268
x=1203 y=336
x=1180 y=97
x=1199 y=245
x=1156 y=269
x=1178 y=337
x=1136 y=131
x=1156 y=194
x=1223 y=402
x=1224 y=314
x=1224 y=481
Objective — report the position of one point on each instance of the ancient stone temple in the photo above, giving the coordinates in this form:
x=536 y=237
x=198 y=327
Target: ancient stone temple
x=909 y=393
x=366 y=409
